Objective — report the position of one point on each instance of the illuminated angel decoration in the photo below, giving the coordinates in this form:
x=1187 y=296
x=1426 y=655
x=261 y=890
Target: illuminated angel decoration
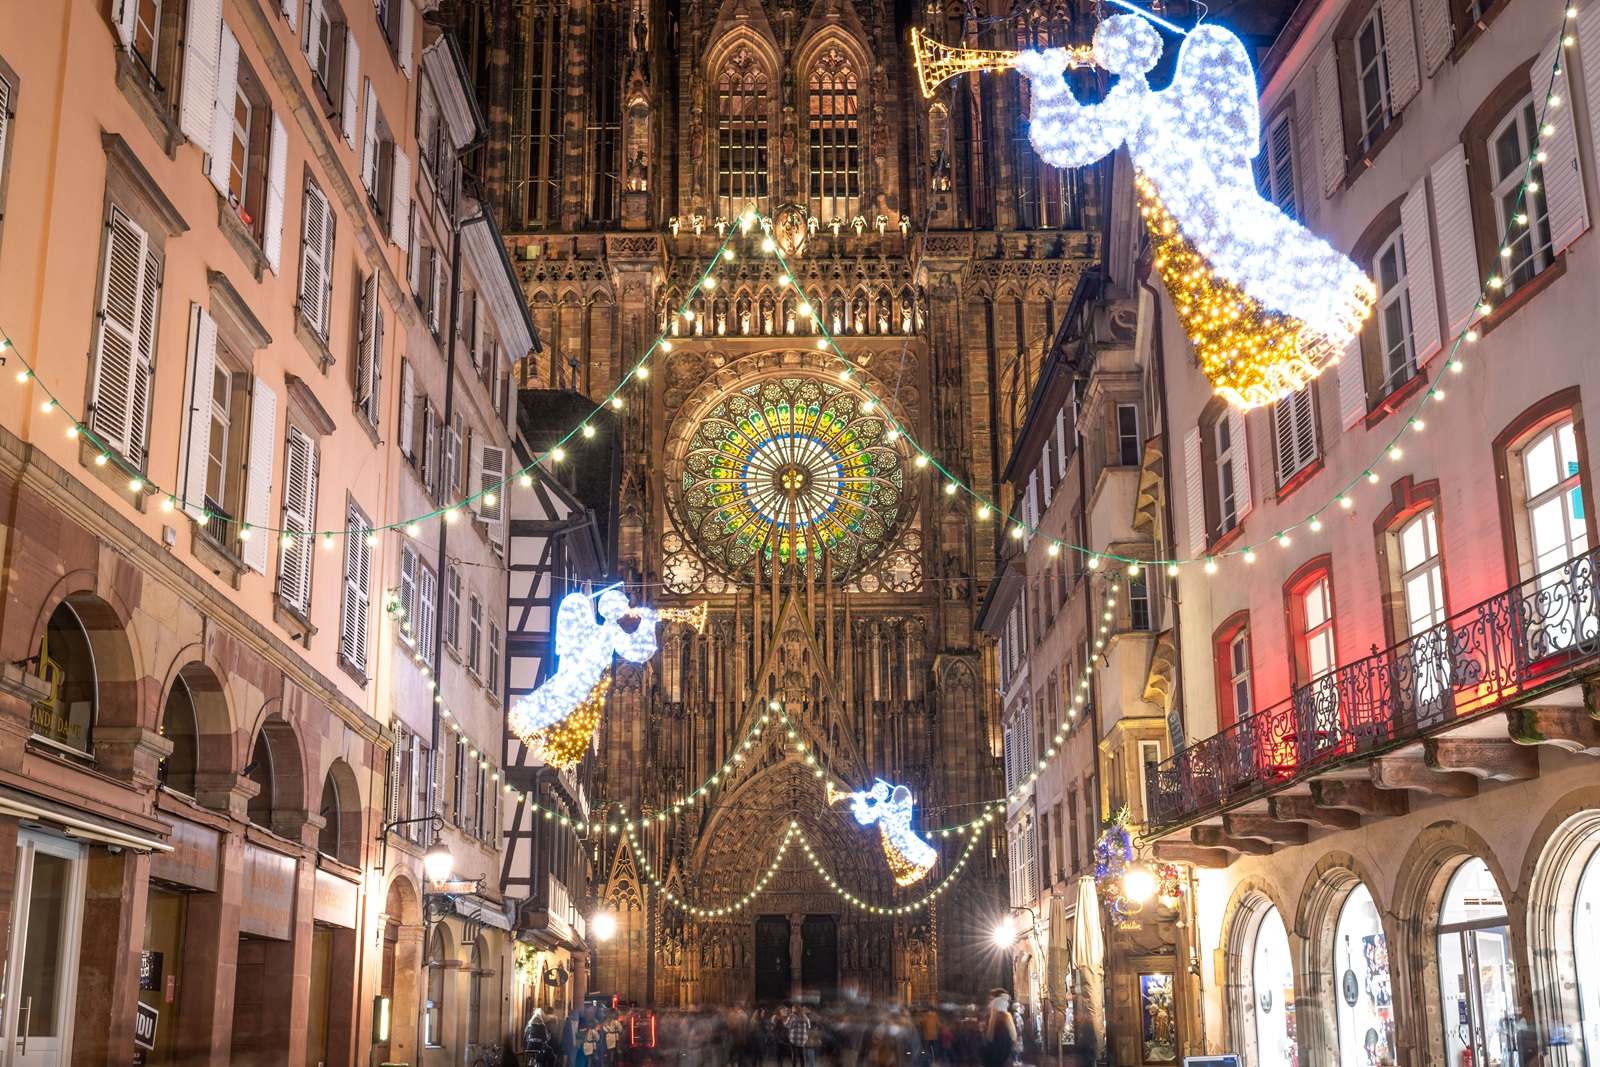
x=1264 y=300
x=910 y=857
x=560 y=716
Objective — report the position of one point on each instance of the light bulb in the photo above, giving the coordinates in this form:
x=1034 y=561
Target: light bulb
x=526 y=480
x=100 y=460
x=135 y=484
x=767 y=245
x=616 y=402
x=489 y=500
x=949 y=488
x=588 y=430
x=412 y=529
x=922 y=459
x=1054 y=549
x=288 y=541
x=558 y=454
x=643 y=372
x=710 y=282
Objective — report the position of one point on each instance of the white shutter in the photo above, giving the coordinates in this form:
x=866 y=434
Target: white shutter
x=427 y=598
x=1294 y=423
x=202 y=43
x=1194 y=490
x=452 y=607
x=222 y=109
x=291 y=13
x=408 y=590
x=1330 y=122
x=277 y=183
x=1438 y=34
x=127 y=20
x=313 y=29
x=491 y=472
x=1418 y=242
x=1400 y=52
x=1563 y=180
x=408 y=411
x=415 y=254
x=197 y=438
x=1011 y=760
x=258 y=474
x=451 y=476
x=407 y=35
x=400 y=198
x=126 y=342
x=299 y=520
x=1352 y=385
x=1061 y=444
x=1239 y=444
x=1588 y=38
x=436 y=307
x=352 y=84
x=357 y=581
x=1047 y=484
x=313 y=268
x=369 y=141
x=1280 y=151
x=1458 y=256
x=367 y=353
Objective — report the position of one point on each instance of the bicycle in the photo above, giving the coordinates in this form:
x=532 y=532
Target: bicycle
x=489 y=1055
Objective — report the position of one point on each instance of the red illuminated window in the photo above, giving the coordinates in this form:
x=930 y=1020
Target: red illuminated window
x=1235 y=689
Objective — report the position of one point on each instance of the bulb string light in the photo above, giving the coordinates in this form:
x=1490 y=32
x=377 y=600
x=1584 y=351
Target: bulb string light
x=700 y=911
x=903 y=908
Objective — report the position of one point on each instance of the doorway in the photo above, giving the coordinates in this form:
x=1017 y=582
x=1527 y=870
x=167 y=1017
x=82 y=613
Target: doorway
x=46 y=925
x=772 y=958
x=819 y=954
x=1477 y=978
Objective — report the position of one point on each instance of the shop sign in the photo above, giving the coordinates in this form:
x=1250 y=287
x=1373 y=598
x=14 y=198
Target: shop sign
x=336 y=901
x=192 y=861
x=150 y=970
x=267 y=909
x=144 y=1026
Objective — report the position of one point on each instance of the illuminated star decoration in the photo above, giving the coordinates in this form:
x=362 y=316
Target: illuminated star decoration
x=560 y=716
x=1264 y=300
x=910 y=857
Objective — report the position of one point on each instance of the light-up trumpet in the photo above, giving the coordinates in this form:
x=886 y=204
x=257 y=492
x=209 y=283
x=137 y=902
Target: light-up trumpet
x=695 y=616
x=937 y=62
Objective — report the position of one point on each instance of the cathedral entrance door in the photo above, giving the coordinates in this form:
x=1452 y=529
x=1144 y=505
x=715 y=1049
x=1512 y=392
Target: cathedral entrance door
x=819 y=959
x=772 y=958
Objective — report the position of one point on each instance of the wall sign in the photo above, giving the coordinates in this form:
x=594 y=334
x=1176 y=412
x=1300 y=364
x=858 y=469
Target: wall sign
x=150 y=970
x=336 y=901
x=269 y=884
x=192 y=861
x=144 y=1026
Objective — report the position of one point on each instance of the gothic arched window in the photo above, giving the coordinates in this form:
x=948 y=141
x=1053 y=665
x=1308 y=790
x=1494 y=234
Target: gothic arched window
x=835 y=138
x=741 y=135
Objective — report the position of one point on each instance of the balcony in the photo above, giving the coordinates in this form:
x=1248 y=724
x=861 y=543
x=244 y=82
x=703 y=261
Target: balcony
x=552 y=913
x=1497 y=656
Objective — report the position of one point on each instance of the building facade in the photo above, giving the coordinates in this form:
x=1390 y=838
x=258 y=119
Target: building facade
x=1385 y=784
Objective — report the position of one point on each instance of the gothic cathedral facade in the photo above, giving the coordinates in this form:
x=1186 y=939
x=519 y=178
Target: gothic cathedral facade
x=627 y=137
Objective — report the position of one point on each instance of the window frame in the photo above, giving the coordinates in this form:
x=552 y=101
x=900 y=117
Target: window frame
x=1313 y=573
x=742 y=70
x=1374 y=117
x=1229 y=638
x=834 y=146
x=1510 y=447
x=1518 y=119
x=1125 y=438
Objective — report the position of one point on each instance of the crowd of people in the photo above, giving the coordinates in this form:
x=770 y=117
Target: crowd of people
x=843 y=1033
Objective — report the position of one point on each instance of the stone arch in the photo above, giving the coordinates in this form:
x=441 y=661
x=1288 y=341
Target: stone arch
x=344 y=828
x=1419 y=887
x=1564 y=845
x=1327 y=887
x=117 y=672
x=197 y=717
x=1253 y=898
x=401 y=948
x=277 y=765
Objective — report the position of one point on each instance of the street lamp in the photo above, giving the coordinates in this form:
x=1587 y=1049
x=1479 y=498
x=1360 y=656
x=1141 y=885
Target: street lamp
x=604 y=924
x=1005 y=933
x=437 y=863
x=1139 y=884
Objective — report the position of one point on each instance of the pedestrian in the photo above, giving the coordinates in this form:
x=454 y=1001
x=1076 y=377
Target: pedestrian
x=613 y=1039
x=930 y=1034
x=999 y=1030
x=799 y=1030
x=588 y=1040
x=536 y=1041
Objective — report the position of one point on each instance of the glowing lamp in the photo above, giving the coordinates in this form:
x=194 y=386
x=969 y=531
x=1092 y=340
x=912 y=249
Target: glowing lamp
x=1005 y=933
x=437 y=862
x=1138 y=884
x=604 y=925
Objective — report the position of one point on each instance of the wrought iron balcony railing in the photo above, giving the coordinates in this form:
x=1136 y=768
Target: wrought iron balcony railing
x=1530 y=639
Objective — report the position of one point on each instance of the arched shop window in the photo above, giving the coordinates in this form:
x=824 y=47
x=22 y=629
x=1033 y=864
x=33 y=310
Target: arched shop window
x=1272 y=976
x=1477 y=976
x=1586 y=950
x=66 y=663
x=1366 y=999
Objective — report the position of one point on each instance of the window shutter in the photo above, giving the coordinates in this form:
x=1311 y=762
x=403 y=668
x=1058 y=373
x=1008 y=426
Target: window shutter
x=400 y=198
x=1588 y=38
x=277 y=184
x=291 y=13
x=258 y=474
x=313 y=23
x=357 y=581
x=452 y=607
x=352 y=85
x=1061 y=444
x=436 y=783
x=202 y=45
x=197 y=439
x=1294 y=420
x=1241 y=462
x=220 y=136
x=126 y=340
x=1011 y=760
x=127 y=19
x=5 y=116
x=1458 y=257
x=491 y=472
x=1280 y=143
x=427 y=600
x=407 y=35
x=1046 y=482
x=1194 y=491
x=369 y=141
x=299 y=520
x=367 y=352
x=1418 y=243
x=313 y=266
x=1563 y=180
x=428 y=457
x=1330 y=122
x=397 y=761
x=1400 y=52
x=1437 y=32
x=414 y=254
x=408 y=591
x=408 y=412
x=436 y=307
x=1352 y=385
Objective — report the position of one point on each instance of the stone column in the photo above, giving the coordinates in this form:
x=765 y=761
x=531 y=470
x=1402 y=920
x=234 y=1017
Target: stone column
x=108 y=965
x=797 y=951
x=211 y=956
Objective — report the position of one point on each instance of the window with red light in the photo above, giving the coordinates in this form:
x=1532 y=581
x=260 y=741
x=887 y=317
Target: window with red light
x=1235 y=689
x=1309 y=597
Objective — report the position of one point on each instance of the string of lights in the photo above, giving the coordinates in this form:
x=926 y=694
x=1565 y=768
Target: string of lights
x=744 y=901
x=903 y=908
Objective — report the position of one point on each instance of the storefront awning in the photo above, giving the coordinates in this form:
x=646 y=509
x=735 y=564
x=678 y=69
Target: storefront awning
x=77 y=823
x=483 y=911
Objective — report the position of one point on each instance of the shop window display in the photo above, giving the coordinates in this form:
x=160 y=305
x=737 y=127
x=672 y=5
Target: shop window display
x=1586 y=951
x=1273 y=987
x=1365 y=996
x=1477 y=975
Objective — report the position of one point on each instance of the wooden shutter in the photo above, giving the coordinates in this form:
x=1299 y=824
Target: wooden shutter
x=197 y=438
x=1438 y=33
x=299 y=520
x=428 y=438
x=1239 y=442
x=5 y=116
x=1061 y=444
x=1352 y=385
x=408 y=411
x=399 y=758
x=313 y=27
x=127 y=21
x=1194 y=491
x=452 y=607
x=350 y=101
x=1588 y=39
x=1011 y=760
x=407 y=36
x=1418 y=241
x=1563 y=178
x=450 y=483
x=368 y=349
x=291 y=13
x=125 y=344
x=1330 y=122
x=357 y=582
x=1280 y=148
x=202 y=44
x=492 y=472
x=226 y=87
x=436 y=283
x=400 y=198
x=427 y=600
x=1400 y=53
x=258 y=474
x=369 y=141
x=1294 y=423
x=1458 y=255
x=408 y=589
x=277 y=186
x=314 y=267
